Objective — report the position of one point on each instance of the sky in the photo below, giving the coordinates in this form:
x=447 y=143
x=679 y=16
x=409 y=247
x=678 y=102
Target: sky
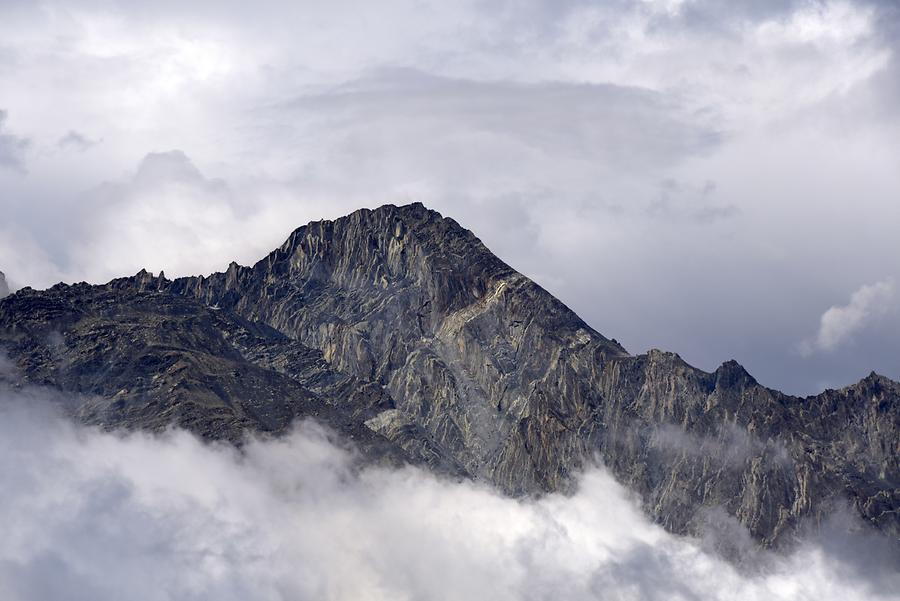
x=719 y=179
x=99 y=516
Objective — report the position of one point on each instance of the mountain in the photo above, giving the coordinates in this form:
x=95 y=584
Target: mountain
x=4 y=287
x=401 y=330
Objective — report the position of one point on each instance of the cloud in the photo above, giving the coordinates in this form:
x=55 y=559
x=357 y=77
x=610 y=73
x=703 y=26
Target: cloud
x=95 y=515
x=76 y=141
x=164 y=215
x=839 y=323
x=167 y=215
x=691 y=203
x=615 y=127
x=732 y=447
x=12 y=148
x=391 y=136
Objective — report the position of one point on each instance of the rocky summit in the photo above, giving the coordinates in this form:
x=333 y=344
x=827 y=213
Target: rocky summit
x=400 y=330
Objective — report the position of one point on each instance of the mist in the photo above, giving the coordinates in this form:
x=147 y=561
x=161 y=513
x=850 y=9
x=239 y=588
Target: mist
x=101 y=516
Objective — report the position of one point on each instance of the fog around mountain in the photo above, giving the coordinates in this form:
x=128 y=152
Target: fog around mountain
x=94 y=515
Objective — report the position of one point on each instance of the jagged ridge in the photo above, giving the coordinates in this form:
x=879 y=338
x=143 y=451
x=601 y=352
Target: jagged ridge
x=400 y=319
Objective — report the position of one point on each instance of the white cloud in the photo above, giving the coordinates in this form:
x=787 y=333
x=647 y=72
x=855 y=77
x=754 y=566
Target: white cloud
x=839 y=323
x=91 y=515
x=165 y=215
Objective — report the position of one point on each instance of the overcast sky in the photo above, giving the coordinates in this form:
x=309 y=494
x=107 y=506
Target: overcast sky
x=716 y=178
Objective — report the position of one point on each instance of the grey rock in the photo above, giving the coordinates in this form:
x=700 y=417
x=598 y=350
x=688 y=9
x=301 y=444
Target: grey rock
x=397 y=327
x=4 y=287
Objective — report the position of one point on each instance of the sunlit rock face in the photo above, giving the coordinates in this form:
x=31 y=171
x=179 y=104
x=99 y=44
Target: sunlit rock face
x=397 y=328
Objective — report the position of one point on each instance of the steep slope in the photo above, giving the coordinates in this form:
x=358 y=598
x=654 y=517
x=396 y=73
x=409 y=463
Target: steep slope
x=402 y=320
x=408 y=299
x=145 y=359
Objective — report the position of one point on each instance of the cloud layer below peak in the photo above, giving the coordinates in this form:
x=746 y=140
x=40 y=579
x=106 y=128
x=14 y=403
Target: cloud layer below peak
x=98 y=516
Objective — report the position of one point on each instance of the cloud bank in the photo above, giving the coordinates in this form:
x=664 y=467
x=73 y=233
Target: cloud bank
x=840 y=322
x=92 y=515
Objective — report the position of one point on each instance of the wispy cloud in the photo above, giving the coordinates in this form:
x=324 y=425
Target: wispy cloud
x=840 y=322
x=104 y=516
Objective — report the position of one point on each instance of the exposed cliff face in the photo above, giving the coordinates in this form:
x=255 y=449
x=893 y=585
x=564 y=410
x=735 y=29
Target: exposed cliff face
x=399 y=327
x=410 y=300
x=147 y=360
x=4 y=287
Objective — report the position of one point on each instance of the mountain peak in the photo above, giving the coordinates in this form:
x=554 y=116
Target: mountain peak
x=732 y=373
x=398 y=324
x=390 y=246
x=410 y=207
x=4 y=287
x=874 y=381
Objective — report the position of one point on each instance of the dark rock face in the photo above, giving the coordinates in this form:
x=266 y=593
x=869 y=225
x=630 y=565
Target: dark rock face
x=147 y=360
x=399 y=328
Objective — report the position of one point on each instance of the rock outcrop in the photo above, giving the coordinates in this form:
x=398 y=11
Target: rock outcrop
x=398 y=328
x=4 y=287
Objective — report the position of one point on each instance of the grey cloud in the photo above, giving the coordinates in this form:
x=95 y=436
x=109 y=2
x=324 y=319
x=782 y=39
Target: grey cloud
x=98 y=515
x=76 y=141
x=615 y=127
x=886 y=84
x=678 y=200
x=164 y=168
x=12 y=148
x=716 y=14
